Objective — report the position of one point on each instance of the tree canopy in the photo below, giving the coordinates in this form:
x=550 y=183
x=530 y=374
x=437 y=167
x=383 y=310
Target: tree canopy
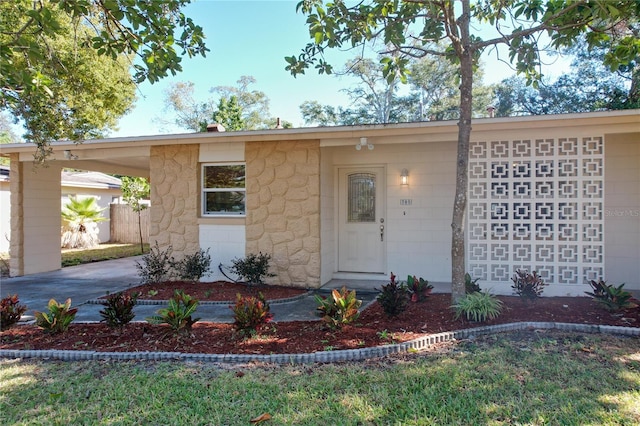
x=65 y=64
x=447 y=28
x=588 y=85
x=432 y=94
x=236 y=107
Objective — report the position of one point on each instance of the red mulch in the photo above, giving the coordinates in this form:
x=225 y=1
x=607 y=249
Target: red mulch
x=212 y=291
x=431 y=316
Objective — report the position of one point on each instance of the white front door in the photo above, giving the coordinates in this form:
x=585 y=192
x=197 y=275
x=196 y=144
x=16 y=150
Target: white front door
x=361 y=238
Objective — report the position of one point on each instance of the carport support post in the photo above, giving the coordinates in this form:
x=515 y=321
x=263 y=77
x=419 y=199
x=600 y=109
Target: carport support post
x=35 y=217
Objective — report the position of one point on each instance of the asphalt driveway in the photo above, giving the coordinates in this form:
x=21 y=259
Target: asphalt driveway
x=86 y=282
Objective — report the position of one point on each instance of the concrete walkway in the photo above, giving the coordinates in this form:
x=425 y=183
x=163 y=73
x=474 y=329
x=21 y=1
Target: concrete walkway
x=83 y=283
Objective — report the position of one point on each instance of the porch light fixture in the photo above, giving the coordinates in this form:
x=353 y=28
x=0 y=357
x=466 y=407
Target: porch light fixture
x=404 y=177
x=69 y=156
x=364 y=142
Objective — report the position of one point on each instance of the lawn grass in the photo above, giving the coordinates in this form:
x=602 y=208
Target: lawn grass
x=72 y=257
x=530 y=378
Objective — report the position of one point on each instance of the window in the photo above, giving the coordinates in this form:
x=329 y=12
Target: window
x=223 y=189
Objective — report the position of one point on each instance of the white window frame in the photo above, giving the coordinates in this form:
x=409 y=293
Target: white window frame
x=204 y=191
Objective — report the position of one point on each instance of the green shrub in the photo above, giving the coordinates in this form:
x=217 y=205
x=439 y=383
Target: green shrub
x=178 y=314
x=118 y=309
x=419 y=289
x=471 y=285
x=156 y=265
x=393 y=297
x=528 y=285
x=613 y=298
x=59 y=317
x=10 y=311
x=251 y=312
x=194 y=266
x=340 y=309
x=478 y=307
x=253 y=268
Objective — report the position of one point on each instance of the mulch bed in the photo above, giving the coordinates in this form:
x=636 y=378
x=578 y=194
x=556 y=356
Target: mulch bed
x=373 y=328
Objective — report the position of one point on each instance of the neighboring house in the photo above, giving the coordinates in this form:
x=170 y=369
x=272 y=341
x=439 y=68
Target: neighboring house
x=105 y=188
x=559 y=194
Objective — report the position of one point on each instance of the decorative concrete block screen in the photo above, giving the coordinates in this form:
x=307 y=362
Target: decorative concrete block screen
x=536 y=205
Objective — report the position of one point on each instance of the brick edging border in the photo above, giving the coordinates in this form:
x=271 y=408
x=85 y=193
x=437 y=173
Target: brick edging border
x=416 y=345
x=206 y=302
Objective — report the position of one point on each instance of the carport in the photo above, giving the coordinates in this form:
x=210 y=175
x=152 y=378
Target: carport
x=36 y=190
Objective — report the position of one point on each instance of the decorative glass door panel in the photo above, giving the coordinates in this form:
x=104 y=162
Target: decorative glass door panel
x=361 y=197
x=361 y=245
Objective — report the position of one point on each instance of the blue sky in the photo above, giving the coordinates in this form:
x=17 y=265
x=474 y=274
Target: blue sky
x=251 y=38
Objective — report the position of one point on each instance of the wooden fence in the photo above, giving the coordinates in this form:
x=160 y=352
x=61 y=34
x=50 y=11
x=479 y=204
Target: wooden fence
x=124 y=224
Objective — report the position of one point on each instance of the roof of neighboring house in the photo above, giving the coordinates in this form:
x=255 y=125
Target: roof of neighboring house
x=78 y=179
x=90 y=180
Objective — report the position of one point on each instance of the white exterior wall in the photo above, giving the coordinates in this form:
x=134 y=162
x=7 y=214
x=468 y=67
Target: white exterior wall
x=418 y=236
x=622 y=210
x=40 y=210
x=328 y=230
x=225 y=237
x=5 y=217
x=225 y=243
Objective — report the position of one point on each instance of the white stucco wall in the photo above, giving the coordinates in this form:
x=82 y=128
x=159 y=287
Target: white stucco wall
x=35 y=199
x=225 y=243
x=328 y=231
x=622 y=210
x=418 y=236
x=5 y=217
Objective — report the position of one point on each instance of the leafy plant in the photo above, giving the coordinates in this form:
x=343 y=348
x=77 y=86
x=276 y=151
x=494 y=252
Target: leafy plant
x=10 y=311
x=253 y=268
x=386 y=335
x=528 y=285
x=478 y=306
x=471 y=285
x=419 y=289
x=59 y=317
x=178 y=314
x=393 y=297
x=118 y=309
x=81 y=217
x=251 y=312
x=340 y=309
x=194 y=266
x=156 y=265
x=613 y=298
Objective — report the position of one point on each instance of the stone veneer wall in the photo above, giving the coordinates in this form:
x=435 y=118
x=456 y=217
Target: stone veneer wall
x=283 y=208
x=174 y=198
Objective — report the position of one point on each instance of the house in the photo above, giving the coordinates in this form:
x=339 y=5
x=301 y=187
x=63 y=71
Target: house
x=105 y=188
x=559 y=194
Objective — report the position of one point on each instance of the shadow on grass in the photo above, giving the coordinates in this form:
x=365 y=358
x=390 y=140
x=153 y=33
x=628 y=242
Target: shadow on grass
x=530 y=377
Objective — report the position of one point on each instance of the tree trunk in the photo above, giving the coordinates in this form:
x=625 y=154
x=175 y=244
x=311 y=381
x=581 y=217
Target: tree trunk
x=464 y=133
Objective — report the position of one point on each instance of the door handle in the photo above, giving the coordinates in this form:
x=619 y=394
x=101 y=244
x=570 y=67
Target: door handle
x=381 y=232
